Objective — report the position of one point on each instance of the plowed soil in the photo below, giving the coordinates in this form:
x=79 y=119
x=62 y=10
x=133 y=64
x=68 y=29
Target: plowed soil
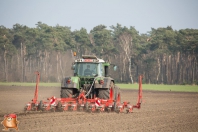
x=160 y=111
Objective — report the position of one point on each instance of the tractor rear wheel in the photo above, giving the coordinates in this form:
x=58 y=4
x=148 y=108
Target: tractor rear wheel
x=117 y=97
x=104 y=93
x=68 y=92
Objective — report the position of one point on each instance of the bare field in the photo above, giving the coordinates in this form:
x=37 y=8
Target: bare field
x=161 y=111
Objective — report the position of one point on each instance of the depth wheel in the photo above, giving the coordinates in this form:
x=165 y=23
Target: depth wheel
x=81 y=108
x=41 y=106
x=25 y=109
x=86 y=106
x=108 y=110
x=59 y=106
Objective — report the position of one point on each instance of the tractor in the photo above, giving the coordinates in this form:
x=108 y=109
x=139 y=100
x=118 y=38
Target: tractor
x=91 y=77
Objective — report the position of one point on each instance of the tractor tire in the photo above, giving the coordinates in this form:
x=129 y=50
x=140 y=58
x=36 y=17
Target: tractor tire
x=104 y=93
x=68 y=93
x=116 y=93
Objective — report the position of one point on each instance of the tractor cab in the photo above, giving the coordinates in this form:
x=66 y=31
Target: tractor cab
x=89 y=66
x=90 y=76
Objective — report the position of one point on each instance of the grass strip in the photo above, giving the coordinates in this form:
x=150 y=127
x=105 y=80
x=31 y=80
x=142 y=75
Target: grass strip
x=179 y=88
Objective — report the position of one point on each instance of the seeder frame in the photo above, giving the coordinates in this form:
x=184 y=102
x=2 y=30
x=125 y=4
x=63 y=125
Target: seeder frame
x=81 y=103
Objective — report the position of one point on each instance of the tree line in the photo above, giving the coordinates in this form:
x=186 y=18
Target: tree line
x=162 y=55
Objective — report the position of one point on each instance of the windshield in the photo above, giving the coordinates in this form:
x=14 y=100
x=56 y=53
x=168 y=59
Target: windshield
x=88 y=69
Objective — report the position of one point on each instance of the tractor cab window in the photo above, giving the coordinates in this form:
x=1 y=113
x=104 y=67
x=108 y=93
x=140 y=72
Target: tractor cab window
x=101 y=70
x=86 y=69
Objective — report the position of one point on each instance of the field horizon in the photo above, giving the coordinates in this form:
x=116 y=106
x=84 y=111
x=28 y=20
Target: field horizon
x=154 y=87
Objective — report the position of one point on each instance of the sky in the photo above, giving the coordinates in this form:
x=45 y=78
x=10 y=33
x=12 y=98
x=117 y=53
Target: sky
x=77 y=14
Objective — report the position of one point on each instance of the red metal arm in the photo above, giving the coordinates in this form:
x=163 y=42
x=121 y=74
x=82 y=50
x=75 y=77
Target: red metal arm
x=139 y=101
x=36 y=90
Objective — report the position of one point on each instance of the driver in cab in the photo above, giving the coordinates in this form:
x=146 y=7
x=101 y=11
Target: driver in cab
x=87 y=71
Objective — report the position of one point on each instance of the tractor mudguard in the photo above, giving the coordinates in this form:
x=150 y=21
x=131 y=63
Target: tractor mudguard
x=70 y=82
x=106 y=84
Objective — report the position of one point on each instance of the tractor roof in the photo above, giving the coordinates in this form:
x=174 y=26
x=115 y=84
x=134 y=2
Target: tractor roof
x=89 y=58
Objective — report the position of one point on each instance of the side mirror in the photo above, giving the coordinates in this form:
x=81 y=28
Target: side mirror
x=115 y=68
x=73 y=67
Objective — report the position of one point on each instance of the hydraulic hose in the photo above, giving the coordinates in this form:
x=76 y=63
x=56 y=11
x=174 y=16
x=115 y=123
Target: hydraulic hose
x=90 y=88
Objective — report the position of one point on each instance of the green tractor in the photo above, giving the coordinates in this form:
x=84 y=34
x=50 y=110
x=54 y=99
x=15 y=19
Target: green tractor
x=91 y=77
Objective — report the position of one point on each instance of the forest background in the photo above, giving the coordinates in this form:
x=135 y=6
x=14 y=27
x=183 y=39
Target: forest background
x=162 y=55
